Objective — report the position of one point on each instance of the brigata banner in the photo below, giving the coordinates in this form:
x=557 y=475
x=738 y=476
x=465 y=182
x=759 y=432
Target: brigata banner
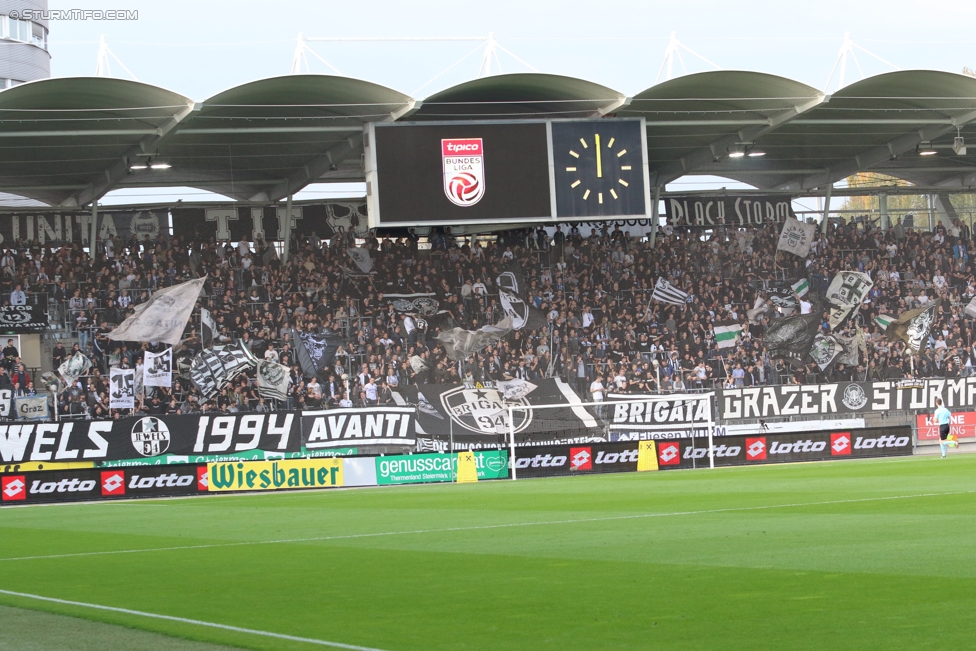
x=476 y=415
x=844 y=398
x=93 y=484
x=676 y=416
x=390 y=427
x=962 y=425
x=149 y=437
x=782 y=448
x=710 y=212
x=420 y=468
x=274 y=475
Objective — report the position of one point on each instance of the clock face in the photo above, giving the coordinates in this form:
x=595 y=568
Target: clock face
x=598 y=168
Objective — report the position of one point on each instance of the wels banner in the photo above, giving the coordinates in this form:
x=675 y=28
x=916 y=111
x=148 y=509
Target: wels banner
x=962 y=425
x=420 y=468
x=844 y=398
x=477 y=415
x=274 y=475
x=378 y=426
x=149 y=437
x=91 y=484
x=817 y=445
x=709 y=212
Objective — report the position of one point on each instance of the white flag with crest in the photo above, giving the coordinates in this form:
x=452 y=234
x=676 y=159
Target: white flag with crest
x=163 y=317
x=122 y=388
x=158 y=369
x=796 y=237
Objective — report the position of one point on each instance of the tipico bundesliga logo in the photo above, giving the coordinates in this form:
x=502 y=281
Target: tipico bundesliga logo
x=464 y=170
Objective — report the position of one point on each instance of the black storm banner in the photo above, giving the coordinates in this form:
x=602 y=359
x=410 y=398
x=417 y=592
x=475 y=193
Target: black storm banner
x=477 y=415
x=148 y=437
x=844 y=398
x=712 y=212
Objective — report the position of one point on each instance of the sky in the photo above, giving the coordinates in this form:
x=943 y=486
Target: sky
x=200 y=48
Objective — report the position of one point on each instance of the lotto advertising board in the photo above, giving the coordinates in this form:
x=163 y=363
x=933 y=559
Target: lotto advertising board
x=550 y=460
x=784 y=448
x=421 y=468
x=81 y=484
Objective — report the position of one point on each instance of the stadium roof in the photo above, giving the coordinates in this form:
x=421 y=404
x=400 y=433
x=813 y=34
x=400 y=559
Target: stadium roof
x=69 y=141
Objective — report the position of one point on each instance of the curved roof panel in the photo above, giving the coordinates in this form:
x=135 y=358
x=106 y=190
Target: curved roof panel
x=522 y=95
x=58 y=135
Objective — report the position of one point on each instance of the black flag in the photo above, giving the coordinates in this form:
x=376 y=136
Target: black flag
x=315 y=351
x=512 y=292
x=791 y=338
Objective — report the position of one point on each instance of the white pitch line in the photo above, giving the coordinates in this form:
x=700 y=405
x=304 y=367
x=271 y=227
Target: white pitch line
x=195 y=622
x=486 y=526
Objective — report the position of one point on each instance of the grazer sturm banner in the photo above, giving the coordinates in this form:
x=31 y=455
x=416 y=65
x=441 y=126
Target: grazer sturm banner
x=476 y=415
x=22 y=318
x=420 y=468
x=274 y=475
x=376 y=426
x=814 y=445
x=75 y=485
x=738 y=211
x=844 y=398
x=149 y=437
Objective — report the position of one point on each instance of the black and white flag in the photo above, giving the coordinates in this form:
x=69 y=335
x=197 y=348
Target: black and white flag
x=791 y=338
x=213 y=368
x=163 y=317
x=825 y=350
x=158 y=369
x=362 y=259
x=315 y=351
x=512 y=295
x=74 y=367
x=665 y=292
x=913 y=327
x=460 y=343
x=273 y=380
x=122 y=388
x=796 y=237
x=208 y=329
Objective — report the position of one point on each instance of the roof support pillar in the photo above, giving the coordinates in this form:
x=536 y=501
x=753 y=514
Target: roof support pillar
x=655 y=212
x=826 y=212
x=93 y=238
x=286 y=245
x=883 y=208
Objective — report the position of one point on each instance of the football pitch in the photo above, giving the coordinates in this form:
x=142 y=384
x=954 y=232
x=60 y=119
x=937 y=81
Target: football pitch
x=840 y=555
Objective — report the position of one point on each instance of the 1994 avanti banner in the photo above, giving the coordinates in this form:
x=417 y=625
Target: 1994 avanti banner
x=844 y=398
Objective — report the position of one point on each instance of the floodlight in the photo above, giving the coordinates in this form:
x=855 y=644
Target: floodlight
x=925 y=148
x=959 y=145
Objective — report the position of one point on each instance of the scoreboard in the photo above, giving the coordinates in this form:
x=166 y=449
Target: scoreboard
x=497 y=172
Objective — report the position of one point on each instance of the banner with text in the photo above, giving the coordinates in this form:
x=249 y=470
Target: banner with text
x=844 y=398
x=739 y=211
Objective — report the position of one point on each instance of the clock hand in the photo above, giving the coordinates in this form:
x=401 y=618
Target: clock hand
x=599 y=162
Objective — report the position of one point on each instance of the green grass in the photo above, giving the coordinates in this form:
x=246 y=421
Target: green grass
x=671 y=560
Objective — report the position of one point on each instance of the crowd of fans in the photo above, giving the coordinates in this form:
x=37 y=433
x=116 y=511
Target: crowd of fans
x=605 y=334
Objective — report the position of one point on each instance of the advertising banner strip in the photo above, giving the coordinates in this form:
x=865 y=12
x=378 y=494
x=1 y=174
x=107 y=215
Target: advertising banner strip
x=844 y=398
x=962 y=425
x=96 y=484
x=275 y=475
x=421 y=468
